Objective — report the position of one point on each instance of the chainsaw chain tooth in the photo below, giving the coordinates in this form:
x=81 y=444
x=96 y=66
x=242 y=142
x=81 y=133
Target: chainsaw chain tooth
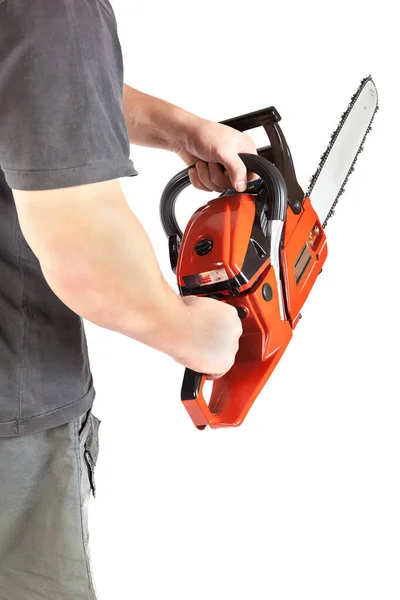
x=334 y=136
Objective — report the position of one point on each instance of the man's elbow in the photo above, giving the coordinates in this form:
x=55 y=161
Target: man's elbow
x=66 y=229
x=72 y=280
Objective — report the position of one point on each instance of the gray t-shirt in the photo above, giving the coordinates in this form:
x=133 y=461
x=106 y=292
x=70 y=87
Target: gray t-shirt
x=61 y=125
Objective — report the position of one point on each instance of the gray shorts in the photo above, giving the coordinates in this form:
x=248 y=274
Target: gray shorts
x=46 y=481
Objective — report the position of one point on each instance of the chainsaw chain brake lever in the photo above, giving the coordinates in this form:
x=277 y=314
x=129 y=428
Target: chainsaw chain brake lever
x=276 y=209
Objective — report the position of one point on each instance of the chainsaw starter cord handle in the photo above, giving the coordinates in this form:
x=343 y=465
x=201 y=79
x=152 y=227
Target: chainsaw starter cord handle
x=275 y=184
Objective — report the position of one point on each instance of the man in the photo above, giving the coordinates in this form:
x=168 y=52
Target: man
x=70 y=247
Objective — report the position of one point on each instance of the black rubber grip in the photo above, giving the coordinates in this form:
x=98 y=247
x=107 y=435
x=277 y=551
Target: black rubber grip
x=190 y=384
x=167 y=202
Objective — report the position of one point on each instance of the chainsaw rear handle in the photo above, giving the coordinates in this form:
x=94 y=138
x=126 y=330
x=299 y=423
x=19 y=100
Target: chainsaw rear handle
x=275 y=184
x=276 y=197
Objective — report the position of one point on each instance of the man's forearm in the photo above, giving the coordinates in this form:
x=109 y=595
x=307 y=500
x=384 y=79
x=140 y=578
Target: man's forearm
x=155 y=122
x=98 y=259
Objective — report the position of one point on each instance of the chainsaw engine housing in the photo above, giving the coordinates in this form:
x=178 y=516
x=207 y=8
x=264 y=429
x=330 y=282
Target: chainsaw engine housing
x=225 y=246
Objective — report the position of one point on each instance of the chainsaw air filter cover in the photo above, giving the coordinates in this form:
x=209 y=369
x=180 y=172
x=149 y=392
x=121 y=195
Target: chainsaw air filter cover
x=225 y=245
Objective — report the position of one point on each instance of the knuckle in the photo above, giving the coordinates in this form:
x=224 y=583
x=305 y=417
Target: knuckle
x=200 y=166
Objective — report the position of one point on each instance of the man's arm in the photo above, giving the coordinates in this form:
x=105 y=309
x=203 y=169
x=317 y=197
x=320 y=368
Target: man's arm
x=94 y=252
x=97 y=258
x=154 y=122
x=63 y=146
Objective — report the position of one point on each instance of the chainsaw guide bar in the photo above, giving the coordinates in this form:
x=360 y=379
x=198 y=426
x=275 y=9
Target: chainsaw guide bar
x=334 y=137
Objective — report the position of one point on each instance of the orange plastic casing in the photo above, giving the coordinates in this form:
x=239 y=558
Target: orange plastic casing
x=228 y=222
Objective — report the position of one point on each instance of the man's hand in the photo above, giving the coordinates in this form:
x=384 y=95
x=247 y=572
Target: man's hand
x=159 y=124
x=208 y=145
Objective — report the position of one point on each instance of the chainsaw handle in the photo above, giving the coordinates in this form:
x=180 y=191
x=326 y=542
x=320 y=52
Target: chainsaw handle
x=258 y=118
x=192 y=385
x=275 y=184
x=194 y=401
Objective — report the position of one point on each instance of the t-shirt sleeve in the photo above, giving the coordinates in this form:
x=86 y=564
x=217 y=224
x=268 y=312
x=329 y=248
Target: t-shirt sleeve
x=61 y=83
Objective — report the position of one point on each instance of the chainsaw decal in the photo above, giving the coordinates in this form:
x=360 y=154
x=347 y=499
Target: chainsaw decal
x=206 y=278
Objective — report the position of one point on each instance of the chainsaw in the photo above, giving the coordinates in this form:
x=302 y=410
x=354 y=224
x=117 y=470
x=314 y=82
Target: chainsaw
x=261 y=251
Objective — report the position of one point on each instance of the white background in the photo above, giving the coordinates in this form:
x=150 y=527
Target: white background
x=302 y=500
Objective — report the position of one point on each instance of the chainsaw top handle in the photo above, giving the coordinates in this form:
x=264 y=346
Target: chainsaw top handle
x=274 y=182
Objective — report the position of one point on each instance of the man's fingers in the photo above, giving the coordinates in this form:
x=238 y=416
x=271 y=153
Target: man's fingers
x=195 y=181
x=219 y=176
x=237 y=171
x=203 y=172
x=214 y=177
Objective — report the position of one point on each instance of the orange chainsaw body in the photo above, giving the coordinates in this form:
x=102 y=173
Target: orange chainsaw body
x=261 y=251
x=228 y=221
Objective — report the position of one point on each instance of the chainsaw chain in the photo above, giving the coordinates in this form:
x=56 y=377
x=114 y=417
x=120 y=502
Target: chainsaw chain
x=334 y=136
